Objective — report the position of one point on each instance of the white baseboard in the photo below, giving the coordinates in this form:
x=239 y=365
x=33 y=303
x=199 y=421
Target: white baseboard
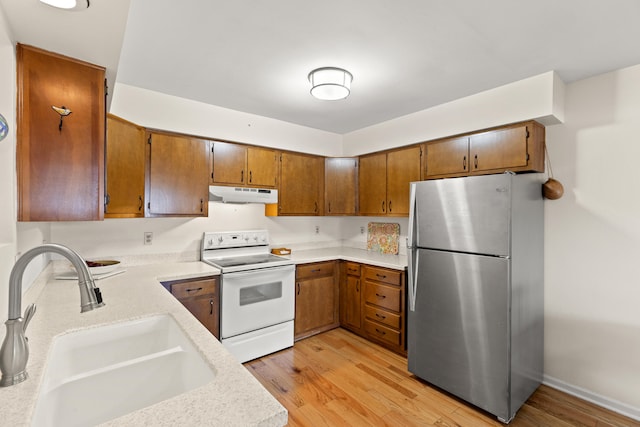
x=589 y=396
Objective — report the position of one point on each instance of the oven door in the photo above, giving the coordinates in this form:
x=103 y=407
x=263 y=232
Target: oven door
x=255 y=299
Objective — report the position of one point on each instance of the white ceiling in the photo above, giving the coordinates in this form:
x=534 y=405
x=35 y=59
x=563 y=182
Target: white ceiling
x=405 y=55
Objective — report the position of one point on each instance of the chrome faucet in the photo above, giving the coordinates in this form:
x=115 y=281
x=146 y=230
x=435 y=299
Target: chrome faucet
x=14 y=353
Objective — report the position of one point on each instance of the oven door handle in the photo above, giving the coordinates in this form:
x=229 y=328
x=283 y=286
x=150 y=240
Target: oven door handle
x=288 y=267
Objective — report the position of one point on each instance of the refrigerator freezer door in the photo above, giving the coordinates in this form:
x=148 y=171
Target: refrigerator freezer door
x=470 y=214
x=458 y=335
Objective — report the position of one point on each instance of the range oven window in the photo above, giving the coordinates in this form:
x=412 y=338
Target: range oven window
x=260 y=293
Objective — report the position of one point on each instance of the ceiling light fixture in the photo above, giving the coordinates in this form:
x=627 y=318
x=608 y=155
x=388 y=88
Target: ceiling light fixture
x=330 y=83
x=68 y=4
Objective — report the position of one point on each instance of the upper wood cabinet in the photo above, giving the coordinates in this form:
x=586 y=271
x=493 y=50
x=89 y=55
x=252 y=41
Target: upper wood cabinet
x=125 y=160
x=242 y=165
x=177 y=182
x=59 y=160
x=517 y=148
x=341 y=185
x=384 y=178
x=301 y=184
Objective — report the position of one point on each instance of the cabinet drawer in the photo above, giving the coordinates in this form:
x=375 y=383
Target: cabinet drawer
x=389 y=319
x=392 y=277
x=193 y=288
x=352 y=268
x=381 y=332
x=382 y=296
x=319 y=269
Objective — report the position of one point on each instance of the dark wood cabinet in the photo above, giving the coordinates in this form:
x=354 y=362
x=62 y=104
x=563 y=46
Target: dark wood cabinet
x=372 y=304
x=177 y=181
x=384 y=180
x=125 y=161
x=201 y=297
x=242 y=165
x=301 y=184
x=59 y=159
x=383 y=307
x=350 y=296
x=316 y=298
x=340 y=184
x=517 y=148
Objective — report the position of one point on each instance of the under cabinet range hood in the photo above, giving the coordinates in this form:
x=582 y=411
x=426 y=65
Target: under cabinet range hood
x=218 y=193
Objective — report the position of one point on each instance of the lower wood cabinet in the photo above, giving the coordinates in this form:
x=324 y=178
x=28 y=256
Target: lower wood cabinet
x=316 y=298
x=201 y=297
x=373 y=304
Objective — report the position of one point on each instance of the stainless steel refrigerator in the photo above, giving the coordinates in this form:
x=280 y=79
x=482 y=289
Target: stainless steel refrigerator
x=475 y=326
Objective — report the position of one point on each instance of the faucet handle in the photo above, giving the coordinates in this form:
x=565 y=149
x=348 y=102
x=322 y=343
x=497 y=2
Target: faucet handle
x=28 y=314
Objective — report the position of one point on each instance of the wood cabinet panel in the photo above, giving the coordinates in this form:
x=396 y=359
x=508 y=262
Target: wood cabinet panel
x=383 y=316
x=517 y=148
x=262 y=164
x=201 y=297
x=403 y=167
x=60 y=165
x=499 y=149
x=229 y=162
x=383 y=296
x=372 y=185
x=125 y=163
x=447 y=157
x=341 y=184
x=316 y=298
x=382 y=333
x=301 y=184
x=177 y=178
x=384 y=275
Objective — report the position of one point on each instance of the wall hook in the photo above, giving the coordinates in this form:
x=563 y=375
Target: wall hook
x=63 y=111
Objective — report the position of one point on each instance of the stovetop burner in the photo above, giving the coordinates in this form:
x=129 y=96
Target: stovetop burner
x=233 y=251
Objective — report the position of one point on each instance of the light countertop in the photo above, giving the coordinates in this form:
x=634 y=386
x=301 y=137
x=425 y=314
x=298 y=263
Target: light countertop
x=397 y=262
x=233 y=398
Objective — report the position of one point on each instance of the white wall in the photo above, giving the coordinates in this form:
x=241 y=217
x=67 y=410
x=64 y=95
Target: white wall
x=156 y=110
x=539 y=97
x=592 y=241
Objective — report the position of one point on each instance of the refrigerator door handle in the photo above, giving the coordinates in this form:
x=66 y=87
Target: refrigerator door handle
x=412 y=216
x=412 y=262
x=411 y=249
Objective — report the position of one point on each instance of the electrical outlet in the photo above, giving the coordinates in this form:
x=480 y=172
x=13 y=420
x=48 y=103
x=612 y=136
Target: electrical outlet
x=317 y=229
x=362 y=229
x=148 y=237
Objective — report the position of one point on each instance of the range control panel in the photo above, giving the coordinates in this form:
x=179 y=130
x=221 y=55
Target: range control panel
x=234 y=239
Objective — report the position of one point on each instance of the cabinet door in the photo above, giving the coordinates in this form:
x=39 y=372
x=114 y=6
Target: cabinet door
x=301 y=184
x=447 y=157
x=352 y=305
x=499 y=149
x=206 y=310
x=125 y=169
x=340 y=181
x=262 y=164
x=403 y=167
x=372 y=184
x=177 y=183
x=59 y=160
x=315 y=304
x=228 y=163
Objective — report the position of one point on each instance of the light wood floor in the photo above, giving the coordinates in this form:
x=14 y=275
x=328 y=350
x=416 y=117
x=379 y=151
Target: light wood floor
x=339 y=379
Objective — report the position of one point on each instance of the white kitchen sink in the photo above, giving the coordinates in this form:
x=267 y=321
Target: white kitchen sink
x=98 y=374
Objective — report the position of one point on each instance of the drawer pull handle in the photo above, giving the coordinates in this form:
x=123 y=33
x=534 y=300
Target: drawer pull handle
x=380 y=316
x=211 y=306
x=381 y=296
x=380 y=332
x=194 y=290
x=382 y=276
x=317 y=270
